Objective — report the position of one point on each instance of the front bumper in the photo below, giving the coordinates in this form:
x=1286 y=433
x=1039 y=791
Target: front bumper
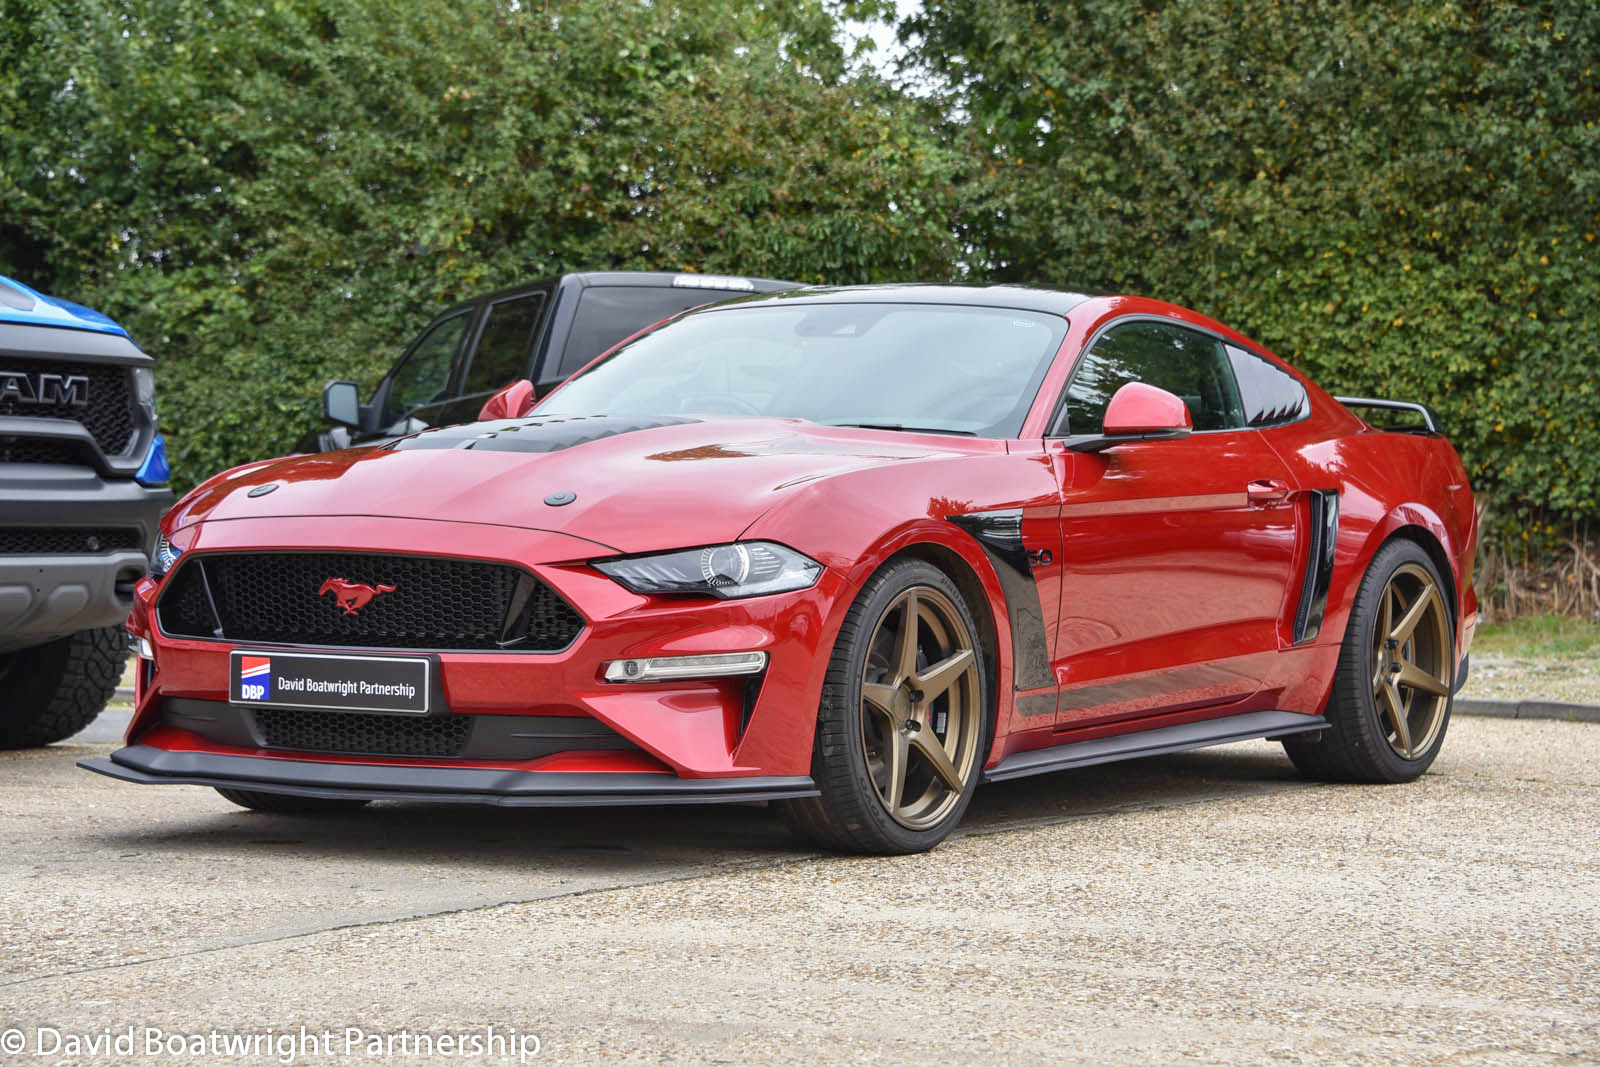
x=444 y=784
x=545 y=727
x=43 y=597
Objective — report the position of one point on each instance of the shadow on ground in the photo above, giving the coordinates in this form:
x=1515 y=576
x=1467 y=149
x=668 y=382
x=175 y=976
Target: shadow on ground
x=195 y=820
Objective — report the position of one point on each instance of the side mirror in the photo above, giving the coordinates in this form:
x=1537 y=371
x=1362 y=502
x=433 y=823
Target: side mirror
x=341 y=403
x=1138 y=412
x=511 y=402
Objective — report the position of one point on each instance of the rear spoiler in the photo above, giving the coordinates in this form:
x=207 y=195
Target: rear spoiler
x=1430 y=422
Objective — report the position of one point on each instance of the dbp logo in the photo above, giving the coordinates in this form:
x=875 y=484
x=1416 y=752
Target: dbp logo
x=52 y=390
x=255 y=678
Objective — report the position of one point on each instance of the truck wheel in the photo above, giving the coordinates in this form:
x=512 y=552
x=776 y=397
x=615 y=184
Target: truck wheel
x=52 y=691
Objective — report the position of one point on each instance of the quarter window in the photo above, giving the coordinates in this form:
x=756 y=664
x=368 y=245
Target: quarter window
x=1271 y=396
x=1189 y=364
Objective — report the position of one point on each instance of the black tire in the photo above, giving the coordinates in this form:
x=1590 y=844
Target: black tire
x=283 y=804
x=1357 y=746
x=850 y=815
x=52 y=691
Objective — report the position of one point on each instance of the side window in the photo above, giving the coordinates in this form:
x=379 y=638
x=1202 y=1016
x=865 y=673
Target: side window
x=425 y=374
x=502 y=354
x=1181 y=361
x=1270 y=395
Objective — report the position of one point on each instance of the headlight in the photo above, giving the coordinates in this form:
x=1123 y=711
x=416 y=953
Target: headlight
x=164 y=557
x=744 y=569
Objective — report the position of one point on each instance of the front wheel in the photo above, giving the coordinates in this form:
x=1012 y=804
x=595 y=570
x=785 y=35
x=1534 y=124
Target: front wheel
x=1392 y=690
x=903 y=725
x=51 y=692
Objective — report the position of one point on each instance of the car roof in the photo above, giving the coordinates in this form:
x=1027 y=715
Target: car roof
x=21 y=304
x=1015 y=297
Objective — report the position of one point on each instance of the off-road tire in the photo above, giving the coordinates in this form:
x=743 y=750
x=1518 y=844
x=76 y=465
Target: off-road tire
x=1355 y=748
x=848 y=816
x=283 y=804
x=50 y=692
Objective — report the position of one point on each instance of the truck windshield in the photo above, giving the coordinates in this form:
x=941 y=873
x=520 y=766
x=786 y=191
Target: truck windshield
x=606 y=314
x=957 y=369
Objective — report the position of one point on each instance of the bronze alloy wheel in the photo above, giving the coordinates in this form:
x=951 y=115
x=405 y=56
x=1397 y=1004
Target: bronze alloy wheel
x=1411 y=661
x=921 y=707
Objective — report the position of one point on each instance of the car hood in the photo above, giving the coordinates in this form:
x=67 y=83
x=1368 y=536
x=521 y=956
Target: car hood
x=635 y=484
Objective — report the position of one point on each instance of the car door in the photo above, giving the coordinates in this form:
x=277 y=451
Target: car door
x=1177 y=556
x=417 y=390
x=501 y=354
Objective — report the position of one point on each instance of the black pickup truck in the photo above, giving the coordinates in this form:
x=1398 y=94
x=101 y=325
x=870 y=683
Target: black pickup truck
x=83 y=477
x=542 y=331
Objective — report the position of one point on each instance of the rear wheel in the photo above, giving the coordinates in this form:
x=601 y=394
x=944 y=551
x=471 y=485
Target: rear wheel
x=1391 y=697
x=903 y=724
x=282 y=804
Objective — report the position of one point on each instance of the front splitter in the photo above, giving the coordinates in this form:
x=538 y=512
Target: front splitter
x=148 y=765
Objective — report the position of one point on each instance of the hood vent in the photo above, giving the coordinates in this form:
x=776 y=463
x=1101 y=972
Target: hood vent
x=549 y=433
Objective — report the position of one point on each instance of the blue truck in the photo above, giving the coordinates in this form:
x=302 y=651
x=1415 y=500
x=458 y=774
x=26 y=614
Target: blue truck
x=83 y=474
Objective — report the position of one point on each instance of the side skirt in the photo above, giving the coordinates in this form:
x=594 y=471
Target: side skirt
x=1246 y=727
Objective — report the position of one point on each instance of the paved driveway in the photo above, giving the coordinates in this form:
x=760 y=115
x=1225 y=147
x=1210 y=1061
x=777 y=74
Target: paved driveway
x=1209 y=907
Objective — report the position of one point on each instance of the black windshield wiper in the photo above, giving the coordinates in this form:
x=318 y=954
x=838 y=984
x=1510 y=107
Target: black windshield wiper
x=902 y=428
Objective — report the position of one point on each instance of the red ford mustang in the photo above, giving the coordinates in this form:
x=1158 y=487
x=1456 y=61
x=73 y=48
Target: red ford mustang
x=851 y=551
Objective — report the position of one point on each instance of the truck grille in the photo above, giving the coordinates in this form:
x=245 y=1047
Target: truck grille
x=434 y=604
x=108 y=415
x=42 y=450
x=361 y=734
x=65 y=540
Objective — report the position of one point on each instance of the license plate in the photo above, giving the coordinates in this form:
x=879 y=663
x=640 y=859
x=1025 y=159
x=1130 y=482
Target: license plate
x=397 y=684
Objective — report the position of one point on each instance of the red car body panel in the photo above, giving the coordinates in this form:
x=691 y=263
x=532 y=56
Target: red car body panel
x=1167 y=574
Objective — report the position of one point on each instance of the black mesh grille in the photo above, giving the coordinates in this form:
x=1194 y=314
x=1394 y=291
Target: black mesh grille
x=366 y=735
x=434 y=603
x=42 y=450
x=109 y=413
x=61 y=540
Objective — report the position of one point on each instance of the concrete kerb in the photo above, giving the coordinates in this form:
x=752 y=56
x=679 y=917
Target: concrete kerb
x=1529 y=709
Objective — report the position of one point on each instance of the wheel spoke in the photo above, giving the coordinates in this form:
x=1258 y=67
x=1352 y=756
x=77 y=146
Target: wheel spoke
x=1417 y=678
x=1397 y=715
x=942 y=675
x=880 y=698
x=905 y=652
x=1408 y=623
x=894 y=763
x=927 y=742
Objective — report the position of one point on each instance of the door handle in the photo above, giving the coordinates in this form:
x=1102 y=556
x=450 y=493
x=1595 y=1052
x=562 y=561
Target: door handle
x=1265 y=492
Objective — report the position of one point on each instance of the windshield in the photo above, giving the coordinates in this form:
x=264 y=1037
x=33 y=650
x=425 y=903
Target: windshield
x=967 y=370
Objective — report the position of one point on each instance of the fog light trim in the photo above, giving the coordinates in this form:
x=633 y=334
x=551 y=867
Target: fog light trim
x=672 y=668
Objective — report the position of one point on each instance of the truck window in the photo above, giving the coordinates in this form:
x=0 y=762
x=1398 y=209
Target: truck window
x=607 y=314
x=425 y=374
x=502 y=353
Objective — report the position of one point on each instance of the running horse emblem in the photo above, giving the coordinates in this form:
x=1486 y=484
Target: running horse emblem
x=352 y=596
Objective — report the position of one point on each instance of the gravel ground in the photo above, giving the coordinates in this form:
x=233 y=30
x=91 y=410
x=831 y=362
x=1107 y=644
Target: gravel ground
x=1494 y=676
x=1208 y=908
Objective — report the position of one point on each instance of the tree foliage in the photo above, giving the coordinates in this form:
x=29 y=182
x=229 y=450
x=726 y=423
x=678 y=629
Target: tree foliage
x=272 y=192
x=1402 y=198
x=1399 y=197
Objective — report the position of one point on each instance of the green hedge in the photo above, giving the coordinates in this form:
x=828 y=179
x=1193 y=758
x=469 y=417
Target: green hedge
x=1399 y=197
x=269 y=193
x=1402 y=198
